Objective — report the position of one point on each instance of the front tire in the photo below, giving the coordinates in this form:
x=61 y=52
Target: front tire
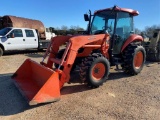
x=94 y=70
x=134 y=58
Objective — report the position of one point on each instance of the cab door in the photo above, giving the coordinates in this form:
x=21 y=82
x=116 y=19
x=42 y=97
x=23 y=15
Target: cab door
x=31 y=38
x=15 y=40
x=124 y=29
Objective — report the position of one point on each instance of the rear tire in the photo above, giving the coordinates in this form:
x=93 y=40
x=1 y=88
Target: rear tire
x=134 y=58
x=94 y=70
x=1 y=51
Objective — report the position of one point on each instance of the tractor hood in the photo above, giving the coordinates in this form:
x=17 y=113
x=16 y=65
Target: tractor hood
x=79 y=41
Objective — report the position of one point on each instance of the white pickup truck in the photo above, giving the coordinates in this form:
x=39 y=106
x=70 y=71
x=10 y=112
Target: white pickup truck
x=20 y=39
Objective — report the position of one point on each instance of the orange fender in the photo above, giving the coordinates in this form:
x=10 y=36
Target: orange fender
x=131 y=39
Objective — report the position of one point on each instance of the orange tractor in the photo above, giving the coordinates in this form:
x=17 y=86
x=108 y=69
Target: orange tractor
x=108 y=41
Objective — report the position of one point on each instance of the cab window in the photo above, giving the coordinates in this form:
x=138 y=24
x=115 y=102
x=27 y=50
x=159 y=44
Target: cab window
x=17 y=33
x=29 y=33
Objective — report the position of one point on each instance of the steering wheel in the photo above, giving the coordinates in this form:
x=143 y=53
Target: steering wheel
x=99 y=32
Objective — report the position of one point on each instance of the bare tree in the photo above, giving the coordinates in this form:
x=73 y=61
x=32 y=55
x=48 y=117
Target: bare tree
x=150 y=29
x=65 y=30
x=137 y=31
x=63 y=27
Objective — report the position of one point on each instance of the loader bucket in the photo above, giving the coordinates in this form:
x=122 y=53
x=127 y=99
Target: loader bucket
x=37 y=83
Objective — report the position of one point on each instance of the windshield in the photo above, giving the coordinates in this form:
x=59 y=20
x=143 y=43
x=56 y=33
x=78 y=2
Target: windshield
x=4 y=31
x=103 y=21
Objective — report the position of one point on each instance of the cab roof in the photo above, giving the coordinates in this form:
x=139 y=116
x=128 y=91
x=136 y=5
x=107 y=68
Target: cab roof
x=19 y=28
x=131 y=11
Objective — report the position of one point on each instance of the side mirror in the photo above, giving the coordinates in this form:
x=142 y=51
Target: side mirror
x=86 y=17
x=51 y=29
x=11 y=35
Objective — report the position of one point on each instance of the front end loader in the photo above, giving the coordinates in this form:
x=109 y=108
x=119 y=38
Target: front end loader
x=41 y=83
x=108 y=41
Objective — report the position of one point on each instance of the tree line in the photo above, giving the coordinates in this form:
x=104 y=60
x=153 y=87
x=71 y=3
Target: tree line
x=65 y=30
x=72 y=30
x=148 y=31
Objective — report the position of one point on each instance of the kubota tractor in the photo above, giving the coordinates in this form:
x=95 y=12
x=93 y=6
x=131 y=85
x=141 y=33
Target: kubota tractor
x=109 y=40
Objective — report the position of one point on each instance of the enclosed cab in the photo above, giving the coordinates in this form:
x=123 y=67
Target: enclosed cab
x=119 y=24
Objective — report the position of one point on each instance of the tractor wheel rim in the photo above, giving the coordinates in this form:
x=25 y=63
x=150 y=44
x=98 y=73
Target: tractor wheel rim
x=98 y=71
x=138 y=60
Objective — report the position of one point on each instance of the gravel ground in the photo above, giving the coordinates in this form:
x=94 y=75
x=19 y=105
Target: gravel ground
x=122 y=97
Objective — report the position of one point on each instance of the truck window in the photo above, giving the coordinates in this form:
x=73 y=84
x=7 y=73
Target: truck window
x=29 y=33
x=17 y=33
x=47 y=30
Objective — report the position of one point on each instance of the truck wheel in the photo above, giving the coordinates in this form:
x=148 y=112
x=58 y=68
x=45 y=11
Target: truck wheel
x=134 y=58
x=94 y=70
x=1 y=51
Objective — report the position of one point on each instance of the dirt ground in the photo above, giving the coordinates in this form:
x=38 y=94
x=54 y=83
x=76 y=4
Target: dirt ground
x=122 y=97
